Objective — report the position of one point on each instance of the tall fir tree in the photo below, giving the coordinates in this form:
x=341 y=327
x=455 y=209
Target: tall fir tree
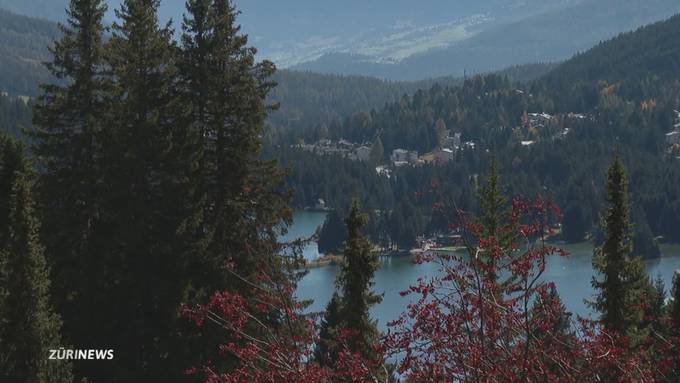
x=243 y=201
x=29 y=328
x=332 y=234
x=355 y=281
x=655 y=312
x=492 y=201
x=68 y=143
x=493 y=212
x=244 y=197
x=623 y=280
x=150 y=213
x=326 y=351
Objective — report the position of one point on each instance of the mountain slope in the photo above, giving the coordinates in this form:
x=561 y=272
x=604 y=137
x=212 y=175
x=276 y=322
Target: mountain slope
x=620 y=96
x=46 y=9
x=653 y=50
x=310 y=99
x=552 y=36
x=637 y=67
x=387 y=31
x=23 y=49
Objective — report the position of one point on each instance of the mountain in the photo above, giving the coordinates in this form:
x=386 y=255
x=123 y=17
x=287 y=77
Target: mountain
x=550 y=36
x=46 y=9
x=553 y=136
x=404 y=40
x=650 y=51
x=308 y=100
x=23 y=49
x=385 y=31
x=15 y=115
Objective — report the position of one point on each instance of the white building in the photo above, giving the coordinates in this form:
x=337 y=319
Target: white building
x=673 y=138
x=454 y=142
x=383 y=171
x=363 y=153
x=469 y=145
x=403 y=156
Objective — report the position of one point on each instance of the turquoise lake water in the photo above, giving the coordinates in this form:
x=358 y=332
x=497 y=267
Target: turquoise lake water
x=571 y=275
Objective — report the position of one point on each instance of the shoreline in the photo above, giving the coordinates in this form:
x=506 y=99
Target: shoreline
x=335 y=259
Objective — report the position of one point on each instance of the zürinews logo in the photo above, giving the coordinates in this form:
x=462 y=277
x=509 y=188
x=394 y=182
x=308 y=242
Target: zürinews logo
x=73 y=354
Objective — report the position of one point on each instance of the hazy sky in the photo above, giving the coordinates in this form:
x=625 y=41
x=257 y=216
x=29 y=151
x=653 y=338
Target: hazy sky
x=290 y=31
x=303 y=27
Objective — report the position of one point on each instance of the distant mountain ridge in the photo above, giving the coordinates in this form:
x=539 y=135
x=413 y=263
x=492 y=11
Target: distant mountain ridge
x=385 y=31
x=23 y=49
x=24 y=43
x=553 y=36
x=650 y=51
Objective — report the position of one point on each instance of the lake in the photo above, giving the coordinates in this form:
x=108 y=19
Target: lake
x=572 y=275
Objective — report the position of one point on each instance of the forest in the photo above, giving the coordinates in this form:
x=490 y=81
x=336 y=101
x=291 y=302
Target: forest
x=625 y=89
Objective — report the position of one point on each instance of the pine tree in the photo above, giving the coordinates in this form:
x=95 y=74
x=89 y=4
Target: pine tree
x=640 y=299
x=349 y=310
x=623 y=279
x=245 y=200
x=326 y=347
x=333 y=234
x=242 y=199
x=655 y=310
x=68 y=143
x=355 y=282
x=493 y=212
x=492 y=202
x=28 y=326
x=149 y=207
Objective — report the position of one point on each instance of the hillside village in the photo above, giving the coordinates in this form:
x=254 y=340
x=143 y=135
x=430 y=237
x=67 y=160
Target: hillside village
x=534 y=127
x=445 y=152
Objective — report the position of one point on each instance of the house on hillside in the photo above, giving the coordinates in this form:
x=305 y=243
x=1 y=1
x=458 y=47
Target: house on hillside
x=451 y=141
x=562 y=134
x=673 y=137
x=345 y=145
x=443 y=156
x=469 y=145
x=362 y=153
x=576 y=116
x=383 y=171
x=536 y=120
x=402 y=157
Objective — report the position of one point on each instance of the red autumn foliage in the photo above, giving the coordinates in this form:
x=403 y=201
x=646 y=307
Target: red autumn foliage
x=489 y=316
x=272 y=350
